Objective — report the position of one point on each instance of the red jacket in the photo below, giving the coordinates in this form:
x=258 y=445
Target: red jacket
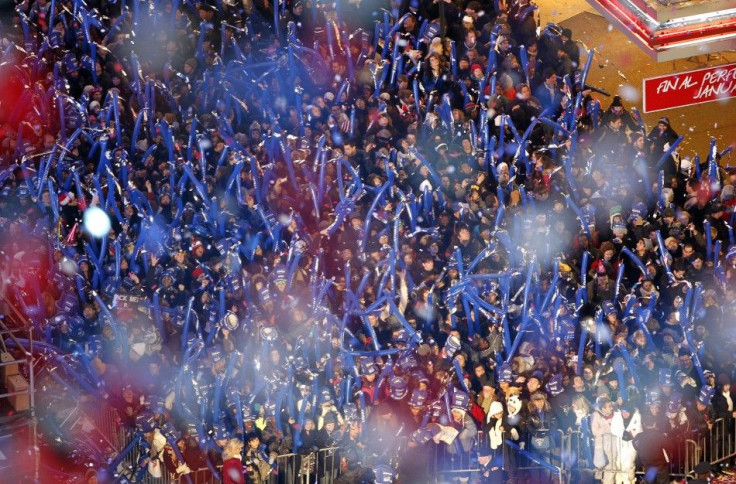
x=232 y=471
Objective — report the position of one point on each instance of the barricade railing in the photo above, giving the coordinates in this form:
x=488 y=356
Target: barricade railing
x=692 y=458
x=619 y=456
x=450 y=460
x=615 y=456
x=322 y=466
x=202 y=476
x=288 y=470
x=129 y=468
x=107 y=422
x=576 y=450
x=327 y=464
x=568 y=454
x=720 y=441
x=718 y=444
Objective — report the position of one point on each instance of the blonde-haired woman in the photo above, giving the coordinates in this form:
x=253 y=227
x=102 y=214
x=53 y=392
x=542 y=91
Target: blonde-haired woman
x=232 y=466
x=582 y=409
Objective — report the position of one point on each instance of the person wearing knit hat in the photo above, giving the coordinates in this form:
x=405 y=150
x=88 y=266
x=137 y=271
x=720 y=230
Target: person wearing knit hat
x=660 y=135
x=702 y=418
x=66 y=198
x=197 y=249
x=197 y=273
x=491 y=452
x=617 y=111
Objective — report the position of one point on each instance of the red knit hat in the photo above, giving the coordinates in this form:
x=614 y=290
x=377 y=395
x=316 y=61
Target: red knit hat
x=66 y=198
x=197 y=272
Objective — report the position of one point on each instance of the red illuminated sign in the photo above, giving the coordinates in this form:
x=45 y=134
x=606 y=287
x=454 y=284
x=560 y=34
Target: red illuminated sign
x=689 y=88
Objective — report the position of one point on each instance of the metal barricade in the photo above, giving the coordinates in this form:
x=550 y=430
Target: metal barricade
x=327 y=464
x=322 y=466
x=684 y=451
x=570 y=453
x=451 y=459
x=287 y=470
x=619 y=455
x=616 y=457
x=129 y=468
x=202 y=476
x=692 y=457
x=684 y=454
x=450 y=462
x=720 y=442
x=577 y=453
x=540 y=464
x=107 y=422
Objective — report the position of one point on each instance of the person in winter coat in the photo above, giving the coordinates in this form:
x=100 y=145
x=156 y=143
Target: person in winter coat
x=607 y=426
x=632 y=428
x=541 y=425
x=463 y=422
x=514 y=423
x=659 y=136
x=650 y=446
x=232 y=466
x=493 y=437
x=723 y=401
x=257 y=468
x=617 y=111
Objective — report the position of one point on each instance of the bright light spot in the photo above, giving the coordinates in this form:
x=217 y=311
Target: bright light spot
x=96 y=222
x=205 y=144
x=610 y=27
x=630 y=93
x=68 y=266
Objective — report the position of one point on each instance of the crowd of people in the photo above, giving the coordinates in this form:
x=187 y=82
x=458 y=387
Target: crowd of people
x=385 y=227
